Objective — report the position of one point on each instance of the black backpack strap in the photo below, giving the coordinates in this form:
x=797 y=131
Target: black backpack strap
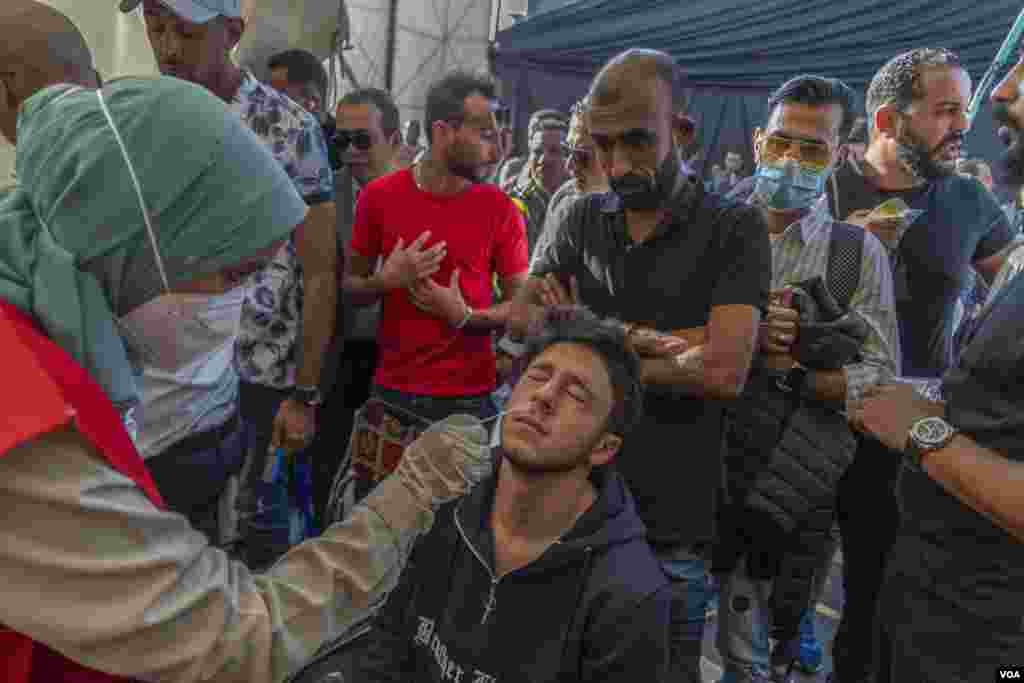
x=845 y=252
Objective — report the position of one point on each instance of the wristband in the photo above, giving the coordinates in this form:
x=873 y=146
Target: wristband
x=465 y=318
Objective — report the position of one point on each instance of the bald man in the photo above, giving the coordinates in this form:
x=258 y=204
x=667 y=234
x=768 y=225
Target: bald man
x=661 y=253
x=39 y=47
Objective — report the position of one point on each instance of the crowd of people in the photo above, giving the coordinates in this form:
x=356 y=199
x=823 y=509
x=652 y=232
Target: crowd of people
x=618 y=392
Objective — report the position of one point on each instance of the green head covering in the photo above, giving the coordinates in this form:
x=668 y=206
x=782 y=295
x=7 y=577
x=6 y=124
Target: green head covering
x=73 y=240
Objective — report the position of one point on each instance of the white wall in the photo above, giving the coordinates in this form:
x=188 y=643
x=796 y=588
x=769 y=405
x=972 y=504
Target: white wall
x=432 y=37
x=435 y=36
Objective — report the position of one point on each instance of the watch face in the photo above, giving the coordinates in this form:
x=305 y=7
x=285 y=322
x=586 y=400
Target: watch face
x=931 y=432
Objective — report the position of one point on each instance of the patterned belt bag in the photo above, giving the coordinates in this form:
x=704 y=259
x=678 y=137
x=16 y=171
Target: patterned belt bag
x=380 y=434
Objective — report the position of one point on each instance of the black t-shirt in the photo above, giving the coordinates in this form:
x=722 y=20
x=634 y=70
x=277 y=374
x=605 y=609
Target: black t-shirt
x=709 y=252
x=946 y=549
x=962 y=223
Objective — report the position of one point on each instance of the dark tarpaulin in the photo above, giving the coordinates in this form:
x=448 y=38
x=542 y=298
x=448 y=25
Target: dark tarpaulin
x=735 y=52
x=536 y=6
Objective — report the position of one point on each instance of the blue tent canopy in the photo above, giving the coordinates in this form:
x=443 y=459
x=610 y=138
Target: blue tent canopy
x=735 y=52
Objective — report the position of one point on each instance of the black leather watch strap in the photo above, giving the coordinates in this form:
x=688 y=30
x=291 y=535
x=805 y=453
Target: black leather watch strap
x=309 y=396
x=795 y=379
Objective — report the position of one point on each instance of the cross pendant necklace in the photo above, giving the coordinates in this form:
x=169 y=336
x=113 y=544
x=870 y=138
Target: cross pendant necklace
x=491 y=604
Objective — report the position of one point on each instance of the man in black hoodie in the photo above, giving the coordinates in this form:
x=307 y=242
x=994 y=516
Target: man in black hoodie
x=544 y=575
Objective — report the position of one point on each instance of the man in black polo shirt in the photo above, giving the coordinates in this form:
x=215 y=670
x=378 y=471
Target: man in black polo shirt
x=953 y=597
x=662 y=254
x=916 y=106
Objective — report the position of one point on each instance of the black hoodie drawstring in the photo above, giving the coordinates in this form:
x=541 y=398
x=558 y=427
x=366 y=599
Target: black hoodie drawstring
x=455 y=557
x=585 y=570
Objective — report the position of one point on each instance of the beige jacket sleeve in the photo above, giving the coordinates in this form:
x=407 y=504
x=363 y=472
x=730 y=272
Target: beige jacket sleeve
x=89 y=566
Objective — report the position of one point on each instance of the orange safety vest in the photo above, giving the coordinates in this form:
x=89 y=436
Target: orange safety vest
x=53 y=390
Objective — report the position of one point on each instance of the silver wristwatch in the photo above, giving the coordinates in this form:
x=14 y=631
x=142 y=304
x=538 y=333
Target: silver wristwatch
x=927 y=435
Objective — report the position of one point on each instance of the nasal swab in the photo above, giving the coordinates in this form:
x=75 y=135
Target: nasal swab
x=501 y=414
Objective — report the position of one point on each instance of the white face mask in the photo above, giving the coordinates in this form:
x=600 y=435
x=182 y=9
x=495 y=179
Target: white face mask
x=173 y=331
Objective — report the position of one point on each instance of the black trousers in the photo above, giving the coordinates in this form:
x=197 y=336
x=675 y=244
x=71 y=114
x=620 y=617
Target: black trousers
x=349 y=391
x=868 y=517
x=191 y=475
x=926 y=638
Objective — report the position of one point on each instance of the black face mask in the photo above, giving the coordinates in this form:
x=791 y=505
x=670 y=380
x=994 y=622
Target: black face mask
x=643 y=192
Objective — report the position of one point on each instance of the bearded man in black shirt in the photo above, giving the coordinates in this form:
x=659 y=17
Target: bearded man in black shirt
x=677 y=263
x=953 y=594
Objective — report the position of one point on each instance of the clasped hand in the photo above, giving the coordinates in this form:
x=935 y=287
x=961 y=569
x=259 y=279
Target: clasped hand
x=778 y=331
x=412 y=268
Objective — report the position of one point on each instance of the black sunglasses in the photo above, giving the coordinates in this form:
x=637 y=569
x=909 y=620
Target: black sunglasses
x=504 y=116
x=360 y=138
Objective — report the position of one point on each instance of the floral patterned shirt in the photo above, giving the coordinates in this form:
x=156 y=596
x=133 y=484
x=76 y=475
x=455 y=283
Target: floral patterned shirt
x=266 y=350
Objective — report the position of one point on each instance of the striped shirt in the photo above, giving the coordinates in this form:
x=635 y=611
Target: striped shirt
x=801 y=252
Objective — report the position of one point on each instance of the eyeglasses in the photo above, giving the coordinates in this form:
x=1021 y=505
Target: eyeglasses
x=775 y=147
x=360 y=138
x=579 y=155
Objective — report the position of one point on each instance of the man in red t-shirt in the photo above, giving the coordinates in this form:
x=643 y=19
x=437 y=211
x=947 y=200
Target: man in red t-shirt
x=443 y=234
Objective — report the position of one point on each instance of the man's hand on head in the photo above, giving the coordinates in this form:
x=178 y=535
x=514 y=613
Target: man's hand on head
x=553 y=292
x=523 y=317
x=650 y=343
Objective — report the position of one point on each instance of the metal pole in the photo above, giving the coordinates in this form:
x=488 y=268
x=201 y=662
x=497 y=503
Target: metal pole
x=1002 y=58
x=497 y=22
x=389 y=74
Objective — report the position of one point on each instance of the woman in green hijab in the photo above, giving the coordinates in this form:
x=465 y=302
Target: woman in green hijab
x=144 y=187
x=75 y=249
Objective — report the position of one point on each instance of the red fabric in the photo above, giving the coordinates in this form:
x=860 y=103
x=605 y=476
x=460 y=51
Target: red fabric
x=15 y=656
x=485 y=234
x=52 y=390
x=49 y=666
x=37 y=405
x=95 y=416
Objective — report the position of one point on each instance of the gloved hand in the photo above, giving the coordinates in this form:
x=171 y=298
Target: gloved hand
x=814 y=302
x=830 y=345
x=446 y=461
x=827 y=337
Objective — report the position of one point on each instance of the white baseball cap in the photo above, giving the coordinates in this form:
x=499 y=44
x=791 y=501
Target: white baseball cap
x=196 y=11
